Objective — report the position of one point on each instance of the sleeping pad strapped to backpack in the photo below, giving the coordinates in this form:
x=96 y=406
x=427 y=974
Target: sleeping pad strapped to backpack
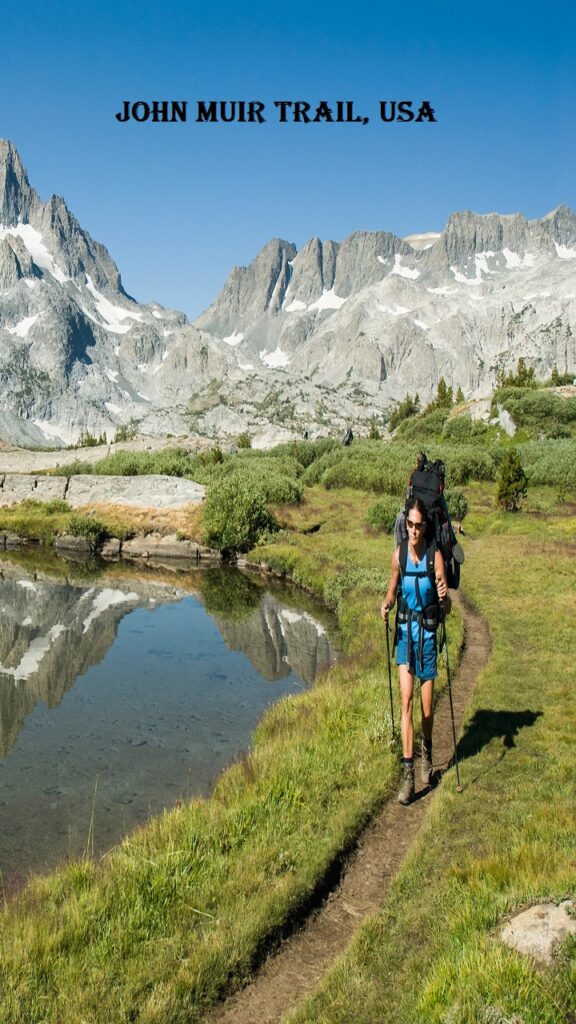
x=427 y=483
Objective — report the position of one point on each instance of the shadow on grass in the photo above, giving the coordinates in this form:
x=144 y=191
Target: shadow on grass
x=487 y=725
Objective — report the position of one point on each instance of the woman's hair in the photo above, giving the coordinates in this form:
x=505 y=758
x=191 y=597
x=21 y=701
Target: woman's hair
x=420 y=507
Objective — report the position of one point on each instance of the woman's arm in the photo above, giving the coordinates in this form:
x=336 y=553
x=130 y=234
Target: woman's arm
x=388 y=601
x=441 y=582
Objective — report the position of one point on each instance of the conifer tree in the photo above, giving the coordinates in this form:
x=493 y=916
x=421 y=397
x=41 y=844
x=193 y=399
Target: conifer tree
x=512 y=482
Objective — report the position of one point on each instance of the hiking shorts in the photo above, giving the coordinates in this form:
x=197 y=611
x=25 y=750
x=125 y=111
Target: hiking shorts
x=427 y=669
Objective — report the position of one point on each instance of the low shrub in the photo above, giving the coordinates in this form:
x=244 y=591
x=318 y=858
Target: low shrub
x=56 y=505
x=76 y=468
x=465 y=429
x=169 y=462
x=88 y=526
x=305 y=452
x=469 y=462
x=381 y=516
x=551 y=461
x=539 y=411
x=366 y=465
x=315 y=470
x=235 y=515
x=424 y=428
x=457 y=503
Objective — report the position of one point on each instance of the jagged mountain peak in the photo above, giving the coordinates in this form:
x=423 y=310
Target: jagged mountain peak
x=559 y=211
x=16 y=195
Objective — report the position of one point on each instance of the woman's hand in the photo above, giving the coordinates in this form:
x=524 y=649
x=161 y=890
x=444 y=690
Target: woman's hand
x=385 y=610
x=441 y=587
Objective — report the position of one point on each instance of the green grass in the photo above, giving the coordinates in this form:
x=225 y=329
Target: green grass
x=432 y=954
x=45 y=521
x=176 y=915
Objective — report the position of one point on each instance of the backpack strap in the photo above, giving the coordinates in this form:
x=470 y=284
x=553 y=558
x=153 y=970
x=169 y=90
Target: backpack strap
x=431 y=561
x=430 y=568
x=403 y=556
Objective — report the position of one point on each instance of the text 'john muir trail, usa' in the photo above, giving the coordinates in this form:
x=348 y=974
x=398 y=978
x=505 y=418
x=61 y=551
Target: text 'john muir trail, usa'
x=281 y=111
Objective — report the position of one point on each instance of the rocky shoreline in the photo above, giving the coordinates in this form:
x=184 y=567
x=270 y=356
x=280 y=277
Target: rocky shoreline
x=150 y=547
x=85 y=491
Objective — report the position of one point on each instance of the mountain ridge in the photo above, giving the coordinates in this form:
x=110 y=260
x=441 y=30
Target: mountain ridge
x=311 y=339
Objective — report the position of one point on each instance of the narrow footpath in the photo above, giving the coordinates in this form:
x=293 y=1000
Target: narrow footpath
x=296 y=968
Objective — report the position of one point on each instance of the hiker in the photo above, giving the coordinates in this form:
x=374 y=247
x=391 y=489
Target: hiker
x=419 y=581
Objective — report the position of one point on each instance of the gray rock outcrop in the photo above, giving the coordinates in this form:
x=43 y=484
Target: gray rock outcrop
x=154 y=491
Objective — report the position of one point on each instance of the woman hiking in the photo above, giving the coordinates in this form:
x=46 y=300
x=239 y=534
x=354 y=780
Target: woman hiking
x=419 y=581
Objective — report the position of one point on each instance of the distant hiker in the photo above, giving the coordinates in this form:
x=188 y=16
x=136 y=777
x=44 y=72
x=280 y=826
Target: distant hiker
x=419 y=581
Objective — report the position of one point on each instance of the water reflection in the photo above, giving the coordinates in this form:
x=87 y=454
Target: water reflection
x=120 y=694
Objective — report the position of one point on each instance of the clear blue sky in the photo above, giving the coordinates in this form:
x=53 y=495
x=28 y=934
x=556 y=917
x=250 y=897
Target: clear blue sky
x=178 y=205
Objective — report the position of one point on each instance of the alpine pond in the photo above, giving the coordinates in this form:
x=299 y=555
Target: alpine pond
x=122 y=694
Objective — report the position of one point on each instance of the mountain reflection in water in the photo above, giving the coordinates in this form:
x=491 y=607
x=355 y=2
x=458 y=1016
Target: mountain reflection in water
x=121 y=697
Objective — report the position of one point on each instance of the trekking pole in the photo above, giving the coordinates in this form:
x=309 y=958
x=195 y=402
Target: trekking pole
x=445 y=638
x=390 y=681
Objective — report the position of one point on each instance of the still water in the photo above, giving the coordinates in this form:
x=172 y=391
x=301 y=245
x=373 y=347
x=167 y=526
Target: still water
x=122 y=693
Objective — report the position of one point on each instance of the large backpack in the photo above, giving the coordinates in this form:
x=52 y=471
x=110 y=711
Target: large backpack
x=427 y=483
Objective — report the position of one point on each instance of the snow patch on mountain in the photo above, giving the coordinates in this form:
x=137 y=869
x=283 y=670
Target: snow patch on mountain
x=23 y=326
x=410 y=272
x=36 y=247
x=516 y=262
x=113 y=316
x=564 y=252
x=234 y=338
x=274 y=359
x=328 y=300
x=462 y=279
x=296 y=306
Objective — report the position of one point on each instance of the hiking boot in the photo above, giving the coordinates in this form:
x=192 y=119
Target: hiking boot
x=426 y=764
x=406 y=794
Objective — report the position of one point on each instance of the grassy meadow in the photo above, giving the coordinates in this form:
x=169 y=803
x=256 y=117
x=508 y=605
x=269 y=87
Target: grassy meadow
x=432 y=953
x=177 y=915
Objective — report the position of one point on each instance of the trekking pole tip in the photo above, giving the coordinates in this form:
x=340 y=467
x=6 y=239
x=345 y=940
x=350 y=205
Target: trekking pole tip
x=458 y=789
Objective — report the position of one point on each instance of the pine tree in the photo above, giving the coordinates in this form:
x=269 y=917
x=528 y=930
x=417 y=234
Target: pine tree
x=460 y=396
x=512 y=482
x=443 y=398
x=524 y=376
x=374 y=433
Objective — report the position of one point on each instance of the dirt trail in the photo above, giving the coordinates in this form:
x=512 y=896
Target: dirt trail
x=294 y=970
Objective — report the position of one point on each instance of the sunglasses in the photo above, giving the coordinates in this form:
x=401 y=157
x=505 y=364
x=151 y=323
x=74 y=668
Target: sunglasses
x=414 y=526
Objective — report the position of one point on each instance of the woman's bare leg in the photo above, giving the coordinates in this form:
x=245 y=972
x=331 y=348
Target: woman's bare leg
x=407 y=727
x=426 y=697
x=426 y=700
